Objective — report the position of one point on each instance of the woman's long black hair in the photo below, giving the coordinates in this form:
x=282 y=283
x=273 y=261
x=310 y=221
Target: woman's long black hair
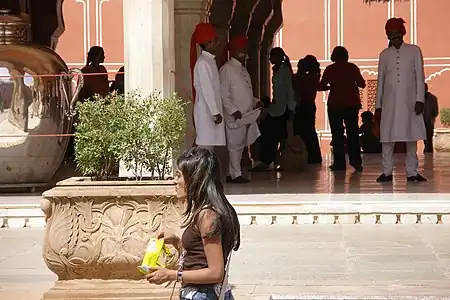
x=201 y=171
x=279 y=52
x=93 y=54
x=307 y=65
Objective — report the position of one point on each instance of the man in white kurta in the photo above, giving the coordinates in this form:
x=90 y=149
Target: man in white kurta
x=400 y=99
x=208 y=108
x=239 y=107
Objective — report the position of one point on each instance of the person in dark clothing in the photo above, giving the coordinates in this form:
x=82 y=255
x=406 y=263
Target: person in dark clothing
x=430 y=113
x=369 y=142
x=305 y=86
x=343 y=79
x=118 y=84
x=274 y=127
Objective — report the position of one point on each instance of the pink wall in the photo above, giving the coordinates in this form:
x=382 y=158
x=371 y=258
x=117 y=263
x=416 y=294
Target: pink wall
x=92 y=23
x=310 y=26
x=317 y=26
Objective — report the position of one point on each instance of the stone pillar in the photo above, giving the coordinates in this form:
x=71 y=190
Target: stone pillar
x=221 y=14
x=242 y=16
x=270 y=28
x=261 y=13
x=149 y=46
x=265 y=69
x=188 y=13
x=149 y=49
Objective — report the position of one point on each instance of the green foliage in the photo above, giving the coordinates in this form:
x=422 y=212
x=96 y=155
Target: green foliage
x=444 y=115
x=143 y=132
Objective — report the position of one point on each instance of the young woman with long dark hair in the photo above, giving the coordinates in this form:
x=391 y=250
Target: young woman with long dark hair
x=95 y=82
x=274 y=128
x=306 y=83
x=96 y=75
x=211 y=225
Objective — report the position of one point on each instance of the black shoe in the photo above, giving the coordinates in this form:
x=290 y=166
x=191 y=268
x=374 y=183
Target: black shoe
x=229 y=179
x=358 y=168
x=240 y=179
x=314 y=161
x=384 y=178
x=417 y=178
x=337 y=168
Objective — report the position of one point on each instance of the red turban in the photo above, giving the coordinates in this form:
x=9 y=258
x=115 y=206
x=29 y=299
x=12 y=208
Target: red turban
x=236 y=43
x=395 y=24
x=203 y=33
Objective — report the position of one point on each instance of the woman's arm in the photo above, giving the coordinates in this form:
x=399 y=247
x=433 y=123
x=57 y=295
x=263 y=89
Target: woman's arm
x=360 y=82
x=214 y=253
x=215 y=271
x=324 y=83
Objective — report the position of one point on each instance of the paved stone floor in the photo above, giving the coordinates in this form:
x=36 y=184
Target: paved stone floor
x=306 y=259
x=318 y=179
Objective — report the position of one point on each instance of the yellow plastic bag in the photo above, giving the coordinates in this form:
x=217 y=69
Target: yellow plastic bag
x=154 y=256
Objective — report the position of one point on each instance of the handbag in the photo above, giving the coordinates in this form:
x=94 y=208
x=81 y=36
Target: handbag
x=223 y=289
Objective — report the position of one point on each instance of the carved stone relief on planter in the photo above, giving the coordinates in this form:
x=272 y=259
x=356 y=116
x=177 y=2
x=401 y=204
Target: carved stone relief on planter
x=101 y=230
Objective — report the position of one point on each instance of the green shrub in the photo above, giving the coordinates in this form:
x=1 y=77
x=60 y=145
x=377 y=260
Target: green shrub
x=143 y=132
x=444 y=115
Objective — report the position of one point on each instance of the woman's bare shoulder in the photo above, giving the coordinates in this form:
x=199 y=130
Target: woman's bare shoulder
x=207 y=218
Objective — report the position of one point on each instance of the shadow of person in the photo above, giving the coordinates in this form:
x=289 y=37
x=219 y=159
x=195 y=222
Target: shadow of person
x=354 y=182
x=338 y=182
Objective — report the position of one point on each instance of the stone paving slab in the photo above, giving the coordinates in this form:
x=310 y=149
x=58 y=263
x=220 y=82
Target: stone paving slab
x=307 y=260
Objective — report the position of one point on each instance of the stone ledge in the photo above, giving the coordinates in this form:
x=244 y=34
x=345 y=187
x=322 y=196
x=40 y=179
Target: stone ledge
x=34 y=219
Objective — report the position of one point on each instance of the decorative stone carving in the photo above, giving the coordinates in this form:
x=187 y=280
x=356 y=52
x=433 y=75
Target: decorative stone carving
x=442 y=140
x=99 y=231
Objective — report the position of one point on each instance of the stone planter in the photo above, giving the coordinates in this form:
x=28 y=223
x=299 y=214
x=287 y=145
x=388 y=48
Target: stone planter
x=96 y=236
x=442 y=140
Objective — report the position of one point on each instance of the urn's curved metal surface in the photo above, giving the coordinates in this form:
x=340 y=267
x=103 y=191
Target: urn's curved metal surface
x=35 y=105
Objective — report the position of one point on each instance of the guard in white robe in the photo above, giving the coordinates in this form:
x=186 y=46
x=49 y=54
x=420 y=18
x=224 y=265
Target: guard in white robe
x=208 y=107
x=240 y=107
x=400 y=100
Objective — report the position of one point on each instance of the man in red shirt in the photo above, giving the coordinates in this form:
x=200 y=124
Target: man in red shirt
x=343 y=80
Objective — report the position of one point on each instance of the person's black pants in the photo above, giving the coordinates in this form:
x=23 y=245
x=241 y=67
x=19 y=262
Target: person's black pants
x=274 y=132
x=429 y=127
x=305 y=127
x=348 y=116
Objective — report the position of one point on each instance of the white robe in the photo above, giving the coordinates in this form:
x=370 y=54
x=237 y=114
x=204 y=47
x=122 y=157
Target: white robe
x=401 y=83
x=237 y=95
x=208 y=102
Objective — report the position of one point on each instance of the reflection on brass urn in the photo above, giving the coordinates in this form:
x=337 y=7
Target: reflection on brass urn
x=35 y=105
x=97 y=233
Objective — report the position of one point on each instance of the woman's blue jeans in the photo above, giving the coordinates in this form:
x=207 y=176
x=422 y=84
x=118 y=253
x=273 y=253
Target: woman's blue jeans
x=206 y=293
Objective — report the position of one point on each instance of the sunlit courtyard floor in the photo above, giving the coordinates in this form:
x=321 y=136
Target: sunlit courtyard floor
x=320 y=180
x=319 y=195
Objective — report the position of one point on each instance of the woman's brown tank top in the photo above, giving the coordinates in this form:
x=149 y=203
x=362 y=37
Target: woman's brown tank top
x=195 y=257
